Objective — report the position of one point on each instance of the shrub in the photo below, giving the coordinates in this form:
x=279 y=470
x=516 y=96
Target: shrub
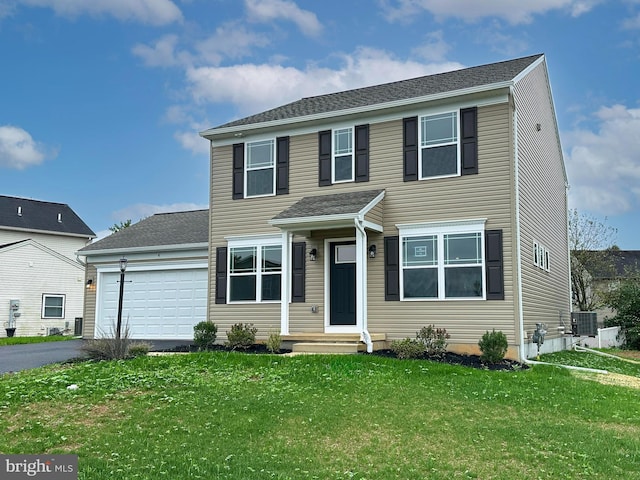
x=106 y=348
x=407 y=348
x=138 y=349
x=204 y=335
x=241 y=336
x=273 y=342
x=433 y=339
x=625 y=300
x=493 y=346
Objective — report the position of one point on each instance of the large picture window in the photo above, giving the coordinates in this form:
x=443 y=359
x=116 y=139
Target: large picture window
x=255 y=270
x=53 y=306
x=260 y=168
x=442 y=261
x=439 y=150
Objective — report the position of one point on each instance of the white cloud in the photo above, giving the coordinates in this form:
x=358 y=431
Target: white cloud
x=268 y=10
x=473 y=10
x=18 y=150
x=603 y=164
x=138 y=211
x=162 y=53
x=190 y=140
x=632 y=23
x=153 y=12
x=434 y=49
x=252 y=88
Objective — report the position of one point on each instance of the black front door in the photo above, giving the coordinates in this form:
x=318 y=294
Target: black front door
x=342 y=280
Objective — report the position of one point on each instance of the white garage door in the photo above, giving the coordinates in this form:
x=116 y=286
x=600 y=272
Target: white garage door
x=157 y=304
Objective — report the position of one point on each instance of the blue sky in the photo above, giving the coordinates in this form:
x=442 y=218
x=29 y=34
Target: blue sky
x=101 y=101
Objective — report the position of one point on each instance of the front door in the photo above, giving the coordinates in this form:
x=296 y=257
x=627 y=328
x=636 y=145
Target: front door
x=342 y=281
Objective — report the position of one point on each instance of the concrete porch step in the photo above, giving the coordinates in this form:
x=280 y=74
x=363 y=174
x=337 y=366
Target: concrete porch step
x=327 y=347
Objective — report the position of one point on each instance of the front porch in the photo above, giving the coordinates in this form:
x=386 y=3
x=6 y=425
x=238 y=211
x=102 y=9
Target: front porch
x=331 y=342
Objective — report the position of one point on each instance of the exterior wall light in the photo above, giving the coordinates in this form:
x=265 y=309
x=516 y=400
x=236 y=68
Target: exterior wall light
x=313 y=254
x=372 y=251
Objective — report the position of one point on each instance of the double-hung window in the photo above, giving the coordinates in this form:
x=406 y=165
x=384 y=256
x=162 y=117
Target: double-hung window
x=260 y=175
x=343 y=167
x=442 y=261
x=255 y=270
x=439 y=146
x=53 y=306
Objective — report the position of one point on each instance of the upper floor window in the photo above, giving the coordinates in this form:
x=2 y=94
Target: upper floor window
x=343 y=155
x=260 y=168
x=439 y=145
x=52 y=306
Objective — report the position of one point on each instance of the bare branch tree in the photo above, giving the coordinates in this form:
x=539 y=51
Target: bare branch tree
x=591 y=242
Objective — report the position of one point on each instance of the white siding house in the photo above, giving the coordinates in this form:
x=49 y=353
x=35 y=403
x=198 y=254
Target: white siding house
x=42 y=282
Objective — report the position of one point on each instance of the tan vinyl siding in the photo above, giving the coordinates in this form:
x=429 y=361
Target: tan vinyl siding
x=543 y=207
x=89 y=312
x=486 y=195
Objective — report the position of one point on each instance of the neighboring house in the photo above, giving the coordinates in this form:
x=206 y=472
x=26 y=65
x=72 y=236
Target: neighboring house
x=41 y=279
x=165 y=289
x=370 y=213
x=625 y=264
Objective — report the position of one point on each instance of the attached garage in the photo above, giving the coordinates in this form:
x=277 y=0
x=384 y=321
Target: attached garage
x=157 y=304
x=165 y=285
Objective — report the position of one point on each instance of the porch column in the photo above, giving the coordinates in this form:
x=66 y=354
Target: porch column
x=285 y=282
x=361 y=277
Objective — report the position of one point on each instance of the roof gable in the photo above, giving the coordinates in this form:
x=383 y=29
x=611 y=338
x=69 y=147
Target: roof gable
x=5 y=249
x=442 y=83
x=161 y=229
x=38 y=216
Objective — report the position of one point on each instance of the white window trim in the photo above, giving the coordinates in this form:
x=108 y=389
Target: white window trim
x=53 y=295
x=457 y=143
x=247 y=169
x=541 y=256
x=333 y=155
x=257 y=241
x=439 y=230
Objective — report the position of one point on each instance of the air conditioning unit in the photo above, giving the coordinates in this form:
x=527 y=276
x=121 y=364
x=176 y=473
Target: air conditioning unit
x=54 y=331
x=584 y=324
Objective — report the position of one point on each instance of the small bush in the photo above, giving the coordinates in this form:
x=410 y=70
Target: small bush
x=138 y=349
x=433 y=339
x=273 y=342
x=407 y=348
x=241 y=336
x=106 y=348
x=493 y=346
x=204 y=335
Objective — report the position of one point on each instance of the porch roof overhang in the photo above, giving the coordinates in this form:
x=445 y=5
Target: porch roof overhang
x=324 y=212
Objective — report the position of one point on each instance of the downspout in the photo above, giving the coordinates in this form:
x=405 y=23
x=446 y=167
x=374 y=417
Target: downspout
x=365 y=332
x=523 y=356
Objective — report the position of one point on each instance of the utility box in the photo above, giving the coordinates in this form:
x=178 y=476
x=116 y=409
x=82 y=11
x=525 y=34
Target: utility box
x=14 y=305
x=584 y=324
x=77 y=330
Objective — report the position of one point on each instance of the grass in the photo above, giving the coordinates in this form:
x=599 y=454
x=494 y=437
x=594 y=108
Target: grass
x=40 y=339
x=219 y=415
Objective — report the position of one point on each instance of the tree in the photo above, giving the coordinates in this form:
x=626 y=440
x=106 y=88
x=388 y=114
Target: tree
x=117 y=228
x=591 y=243
x=625 y=300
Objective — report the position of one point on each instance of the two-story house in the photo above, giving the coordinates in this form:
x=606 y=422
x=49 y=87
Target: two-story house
x=369 y=213
x=42 y=281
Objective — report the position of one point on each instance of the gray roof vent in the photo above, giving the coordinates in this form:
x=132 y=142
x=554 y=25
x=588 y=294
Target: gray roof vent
x=59 y=218
x=19 y=211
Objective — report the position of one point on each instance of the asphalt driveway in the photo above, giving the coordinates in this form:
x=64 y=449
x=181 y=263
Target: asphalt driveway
x=14 y=358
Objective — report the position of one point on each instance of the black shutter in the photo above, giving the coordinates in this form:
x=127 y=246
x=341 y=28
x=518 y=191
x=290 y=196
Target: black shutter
x=298 y=256
x=410 y=148
x=494 y=264
x=238 y=171
x=362 y=153
x=392 y=268
x=282 y=165
x=221 y=275
x=324 y=158
x=469 y=138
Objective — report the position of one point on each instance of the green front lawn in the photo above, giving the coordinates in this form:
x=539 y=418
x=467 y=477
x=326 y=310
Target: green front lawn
x=22 y=340
x=225 y=415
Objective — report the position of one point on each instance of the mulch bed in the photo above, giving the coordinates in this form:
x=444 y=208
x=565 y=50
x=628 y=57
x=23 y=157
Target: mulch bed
x=472 y=361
